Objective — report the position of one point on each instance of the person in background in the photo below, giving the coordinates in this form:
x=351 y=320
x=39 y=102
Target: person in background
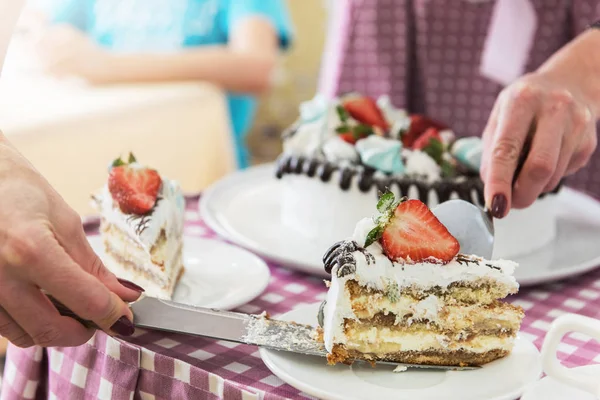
x=231 y=43
x=502 y=68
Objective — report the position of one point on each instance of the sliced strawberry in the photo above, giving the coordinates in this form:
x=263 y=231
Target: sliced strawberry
x=134 y=189
x=348 y=137
x=366 y=111
x=351 y=137
x=423 y=140
x=418 y=125
x=353 y=134
x=415 y=233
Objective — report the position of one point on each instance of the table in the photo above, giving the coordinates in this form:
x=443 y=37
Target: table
x=154 y=365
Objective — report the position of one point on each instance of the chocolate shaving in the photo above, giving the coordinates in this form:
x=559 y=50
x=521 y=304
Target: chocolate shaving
x=341 y=255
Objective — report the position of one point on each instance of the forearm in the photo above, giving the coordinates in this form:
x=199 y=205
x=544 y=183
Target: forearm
x=578 y=65
x=236 y=71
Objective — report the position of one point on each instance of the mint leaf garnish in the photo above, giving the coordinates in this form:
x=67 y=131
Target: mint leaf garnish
x=342 y=113
x=342 y=129
x=448 y=169
x=362 y=130
x=392 y=292
x=374 y=235
x=117 y=163
x=131 y=158
x=386 y=206
x=385 y=202
x=434 y=149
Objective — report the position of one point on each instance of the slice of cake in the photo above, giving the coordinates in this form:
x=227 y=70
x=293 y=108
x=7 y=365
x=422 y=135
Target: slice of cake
x=142 y=226
x=342 y=152
x=401 y=291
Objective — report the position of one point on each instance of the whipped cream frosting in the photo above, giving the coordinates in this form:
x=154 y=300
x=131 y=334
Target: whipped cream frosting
x=420 y=164
x=338 y=150
x=373 y=269
x=168 y=214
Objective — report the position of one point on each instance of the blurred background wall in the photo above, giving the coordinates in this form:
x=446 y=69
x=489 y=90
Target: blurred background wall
x=296 y=79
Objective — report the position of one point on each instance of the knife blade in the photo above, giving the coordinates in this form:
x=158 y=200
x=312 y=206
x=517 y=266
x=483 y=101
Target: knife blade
x=257 y=330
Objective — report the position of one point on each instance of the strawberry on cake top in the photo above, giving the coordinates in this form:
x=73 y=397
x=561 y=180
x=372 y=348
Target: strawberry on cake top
x=142 y=226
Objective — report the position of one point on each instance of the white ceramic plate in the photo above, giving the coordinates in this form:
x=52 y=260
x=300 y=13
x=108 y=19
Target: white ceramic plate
x=245 y=208
x=217 y=275
x=550 y=389
x=504 y=379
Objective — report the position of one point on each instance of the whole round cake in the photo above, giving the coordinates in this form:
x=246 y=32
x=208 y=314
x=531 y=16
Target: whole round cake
x=342 y=153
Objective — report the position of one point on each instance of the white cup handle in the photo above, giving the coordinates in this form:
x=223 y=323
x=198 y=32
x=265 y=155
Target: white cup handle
x=551 y=364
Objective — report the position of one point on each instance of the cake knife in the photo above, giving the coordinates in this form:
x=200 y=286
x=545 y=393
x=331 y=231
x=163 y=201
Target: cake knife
x=257 y=330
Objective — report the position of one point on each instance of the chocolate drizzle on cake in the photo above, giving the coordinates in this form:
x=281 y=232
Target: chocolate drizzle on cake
x=468 y=188
x=321 y=314
x=142 y=222
x=341 y=255
x=466 y=260
x=493 y=266
x=463 y=259
x=346 y=175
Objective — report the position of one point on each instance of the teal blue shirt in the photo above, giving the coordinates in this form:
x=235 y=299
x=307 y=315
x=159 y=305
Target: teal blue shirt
x=168 y=25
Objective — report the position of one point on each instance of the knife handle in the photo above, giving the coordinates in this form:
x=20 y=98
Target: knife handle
x=66 y=312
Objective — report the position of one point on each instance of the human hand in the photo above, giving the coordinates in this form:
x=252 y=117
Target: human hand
x=65 y=51
x=43 y=248
x=560 y=125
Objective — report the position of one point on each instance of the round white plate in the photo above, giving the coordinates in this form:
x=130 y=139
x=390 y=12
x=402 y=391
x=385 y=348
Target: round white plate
x=504 y=379
x=550 y=389
x=217 y=275
x=245 y=208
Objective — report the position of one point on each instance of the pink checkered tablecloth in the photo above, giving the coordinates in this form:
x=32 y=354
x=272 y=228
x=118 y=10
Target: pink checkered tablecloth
x=154 y=365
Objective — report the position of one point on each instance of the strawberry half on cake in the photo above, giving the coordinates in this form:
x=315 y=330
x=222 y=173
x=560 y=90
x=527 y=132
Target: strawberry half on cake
x=400 y=291
x=142 y=226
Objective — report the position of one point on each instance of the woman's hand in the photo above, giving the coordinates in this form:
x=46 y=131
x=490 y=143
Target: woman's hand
x=43 y=248
x=559 y=123
x=67 y=52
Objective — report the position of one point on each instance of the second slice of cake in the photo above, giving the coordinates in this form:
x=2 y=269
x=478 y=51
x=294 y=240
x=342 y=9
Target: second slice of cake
x=400 y=291
x=142 y=215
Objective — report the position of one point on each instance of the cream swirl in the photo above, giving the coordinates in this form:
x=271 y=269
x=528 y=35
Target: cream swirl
x=419 y=163
x=336 y=149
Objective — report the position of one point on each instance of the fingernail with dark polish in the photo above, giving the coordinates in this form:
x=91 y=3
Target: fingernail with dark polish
x=123 y=327
x=130 y=285
x=499 y=205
